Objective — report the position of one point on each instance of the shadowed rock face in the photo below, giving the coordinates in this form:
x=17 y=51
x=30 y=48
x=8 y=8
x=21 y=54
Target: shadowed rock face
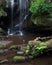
x=3 y=3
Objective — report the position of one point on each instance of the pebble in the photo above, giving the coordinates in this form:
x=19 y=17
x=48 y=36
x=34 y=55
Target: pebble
x=20 y=52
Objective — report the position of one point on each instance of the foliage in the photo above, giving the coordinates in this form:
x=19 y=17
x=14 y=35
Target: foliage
x=3 y=4
x=2 y=12
x=34 y=7
x=40 y=9
x=35 y=50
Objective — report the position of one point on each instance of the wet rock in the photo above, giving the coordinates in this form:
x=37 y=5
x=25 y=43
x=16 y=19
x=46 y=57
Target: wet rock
x=1 y=51
x=13 y=47
x=4 y=61
x=5 y=50
x=20 y=52
x=19 y=58
x=1 y=46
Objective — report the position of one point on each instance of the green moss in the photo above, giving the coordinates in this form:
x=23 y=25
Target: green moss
x=1 y=46
x=42 y=45
x=14 y=47
x=35 y=50
x=18 y=58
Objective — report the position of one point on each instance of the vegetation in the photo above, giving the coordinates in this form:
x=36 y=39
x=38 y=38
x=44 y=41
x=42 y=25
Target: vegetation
x=14 y=47
x=18 y=58
x=41 y=11
x=35 y=50
x=3 y=4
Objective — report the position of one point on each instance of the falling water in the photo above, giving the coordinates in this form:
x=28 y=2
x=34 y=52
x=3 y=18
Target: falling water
x=12 y=7
x=23 y=8
x=23 y=12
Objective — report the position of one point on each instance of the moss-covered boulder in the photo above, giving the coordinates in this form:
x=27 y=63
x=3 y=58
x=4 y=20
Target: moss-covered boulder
x=18 y=58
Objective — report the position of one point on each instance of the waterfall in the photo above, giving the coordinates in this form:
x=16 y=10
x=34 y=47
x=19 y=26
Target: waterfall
x=12 y=7
x=11 y=4
x=23 y=9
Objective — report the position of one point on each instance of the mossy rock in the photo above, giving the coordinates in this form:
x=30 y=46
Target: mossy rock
x=13 y=47
x=18 y=58
x=1 y=46
x=4 y=61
